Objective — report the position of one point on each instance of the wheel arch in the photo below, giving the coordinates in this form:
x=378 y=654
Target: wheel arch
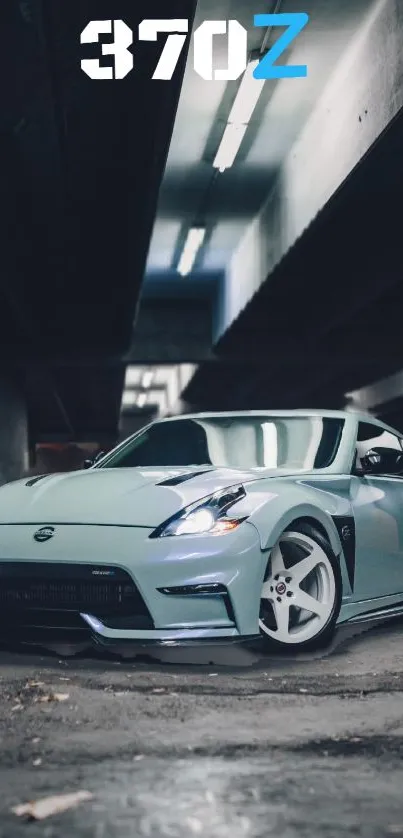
x=307 y=514
x=311 y=522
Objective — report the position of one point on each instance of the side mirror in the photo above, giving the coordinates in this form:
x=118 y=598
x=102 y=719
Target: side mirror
x=383 y=461
x=92 y=460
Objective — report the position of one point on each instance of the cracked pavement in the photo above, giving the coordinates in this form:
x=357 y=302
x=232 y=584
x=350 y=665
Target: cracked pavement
x=309 y=747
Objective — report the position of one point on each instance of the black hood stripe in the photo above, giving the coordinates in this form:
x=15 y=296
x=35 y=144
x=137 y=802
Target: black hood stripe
x=181 y=478
x=36 y=479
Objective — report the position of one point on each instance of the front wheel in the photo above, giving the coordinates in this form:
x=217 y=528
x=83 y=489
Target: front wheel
x=301 y=595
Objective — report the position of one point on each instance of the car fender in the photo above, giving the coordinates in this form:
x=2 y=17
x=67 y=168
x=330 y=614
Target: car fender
x=287 y=503
x=269 y=533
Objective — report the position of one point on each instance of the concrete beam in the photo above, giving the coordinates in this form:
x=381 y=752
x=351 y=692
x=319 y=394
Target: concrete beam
x=364 y=94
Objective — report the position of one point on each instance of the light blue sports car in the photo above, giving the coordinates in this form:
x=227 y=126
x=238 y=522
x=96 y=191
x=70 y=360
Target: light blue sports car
x=212 y=527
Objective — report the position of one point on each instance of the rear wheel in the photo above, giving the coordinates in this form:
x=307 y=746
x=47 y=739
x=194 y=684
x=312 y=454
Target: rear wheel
x=302 y=590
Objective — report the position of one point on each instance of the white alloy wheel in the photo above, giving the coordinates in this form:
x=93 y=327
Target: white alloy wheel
x=298 y=599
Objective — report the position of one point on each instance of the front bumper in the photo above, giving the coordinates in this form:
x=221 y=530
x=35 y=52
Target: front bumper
x=166 y=573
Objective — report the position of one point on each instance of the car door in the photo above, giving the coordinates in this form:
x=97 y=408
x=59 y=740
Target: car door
x=378 y=511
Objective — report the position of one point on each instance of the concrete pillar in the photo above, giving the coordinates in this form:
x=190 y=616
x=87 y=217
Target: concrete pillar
x=13 y=432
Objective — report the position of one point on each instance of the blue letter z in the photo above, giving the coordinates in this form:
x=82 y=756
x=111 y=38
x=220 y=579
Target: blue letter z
x=295 y=23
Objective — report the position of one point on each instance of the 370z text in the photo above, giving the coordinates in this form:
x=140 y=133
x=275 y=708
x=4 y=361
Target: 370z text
x=177 y=31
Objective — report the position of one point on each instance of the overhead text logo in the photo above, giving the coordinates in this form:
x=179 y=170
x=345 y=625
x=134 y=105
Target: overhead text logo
x=177 y=31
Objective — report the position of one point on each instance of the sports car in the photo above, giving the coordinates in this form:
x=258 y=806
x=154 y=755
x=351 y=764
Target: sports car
x=222 y=527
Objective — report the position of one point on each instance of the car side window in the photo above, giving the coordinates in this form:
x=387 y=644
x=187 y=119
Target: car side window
x=370 y=436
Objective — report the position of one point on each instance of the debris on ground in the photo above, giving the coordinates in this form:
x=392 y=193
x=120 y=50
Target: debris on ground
x=56 y=804
x=43 y=699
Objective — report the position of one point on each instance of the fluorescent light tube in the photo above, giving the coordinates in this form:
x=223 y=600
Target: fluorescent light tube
x=229 y=147
x=192 y=246
x=147 y=379
x=247 y=96
x=141 y=400
x=239 y=118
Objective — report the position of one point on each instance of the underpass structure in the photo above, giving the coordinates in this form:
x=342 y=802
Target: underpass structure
x=301 y=251
x=140 y=279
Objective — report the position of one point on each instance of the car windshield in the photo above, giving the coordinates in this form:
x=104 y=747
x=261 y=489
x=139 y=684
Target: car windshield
x=241 y=442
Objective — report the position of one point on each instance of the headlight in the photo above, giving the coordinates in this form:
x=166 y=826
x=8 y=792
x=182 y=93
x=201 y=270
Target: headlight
x=205 y=516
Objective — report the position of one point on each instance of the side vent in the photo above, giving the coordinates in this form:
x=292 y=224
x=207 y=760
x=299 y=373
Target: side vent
x=346 y=529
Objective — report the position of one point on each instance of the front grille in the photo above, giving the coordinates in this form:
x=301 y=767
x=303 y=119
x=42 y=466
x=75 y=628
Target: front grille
x=75 y=595
x=47 y=594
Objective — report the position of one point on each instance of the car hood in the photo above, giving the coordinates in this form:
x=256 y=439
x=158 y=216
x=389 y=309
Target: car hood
x=123 y=497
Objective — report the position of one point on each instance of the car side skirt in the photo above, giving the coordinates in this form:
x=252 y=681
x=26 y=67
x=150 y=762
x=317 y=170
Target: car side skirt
x=372 y=610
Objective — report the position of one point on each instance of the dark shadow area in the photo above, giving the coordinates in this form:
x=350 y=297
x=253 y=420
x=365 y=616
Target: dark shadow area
x=227 y=658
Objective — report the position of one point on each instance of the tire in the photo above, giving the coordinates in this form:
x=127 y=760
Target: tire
x=284 y=623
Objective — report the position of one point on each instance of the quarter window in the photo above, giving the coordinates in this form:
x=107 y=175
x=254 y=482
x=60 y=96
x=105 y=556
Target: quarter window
x=370 y=436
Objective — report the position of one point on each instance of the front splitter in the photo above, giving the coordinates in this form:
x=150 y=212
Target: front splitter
x=198 y=648
x=181 y=643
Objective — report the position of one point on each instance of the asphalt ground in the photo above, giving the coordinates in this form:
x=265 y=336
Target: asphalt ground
x=244 y=746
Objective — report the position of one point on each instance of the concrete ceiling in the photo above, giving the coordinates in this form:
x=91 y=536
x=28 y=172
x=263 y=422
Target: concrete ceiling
x=230 y=202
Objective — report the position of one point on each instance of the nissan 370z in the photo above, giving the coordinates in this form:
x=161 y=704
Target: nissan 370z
x=212 y=527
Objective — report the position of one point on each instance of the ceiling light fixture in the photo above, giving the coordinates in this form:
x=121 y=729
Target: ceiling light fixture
x=229 y=147
x=239 y=118
x=147 y=379
x=141 y=400
x=194 y=241
x=247 y=97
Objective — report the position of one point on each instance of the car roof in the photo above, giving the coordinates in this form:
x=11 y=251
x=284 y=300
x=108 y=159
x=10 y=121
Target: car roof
x=329 y=414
